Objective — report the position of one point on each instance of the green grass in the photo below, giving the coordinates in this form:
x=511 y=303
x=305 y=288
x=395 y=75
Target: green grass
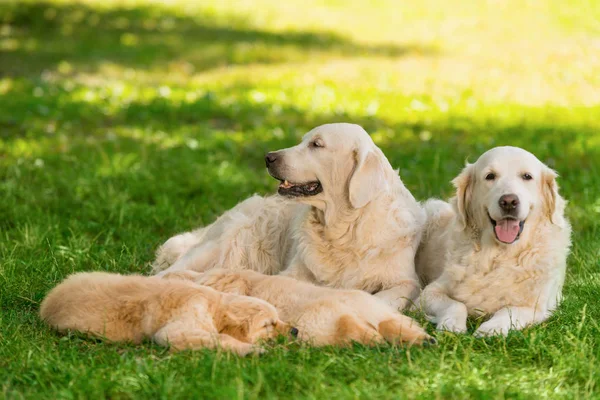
x=121 y=125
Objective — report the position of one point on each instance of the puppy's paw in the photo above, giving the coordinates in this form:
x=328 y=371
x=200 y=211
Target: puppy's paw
x=493 y=327
x=423 y=339
x=241 y=350
x=248 y=349
x=258 y=350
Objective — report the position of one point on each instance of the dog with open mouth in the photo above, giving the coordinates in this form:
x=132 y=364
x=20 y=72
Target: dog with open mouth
x=499 y=248
x=342 y=218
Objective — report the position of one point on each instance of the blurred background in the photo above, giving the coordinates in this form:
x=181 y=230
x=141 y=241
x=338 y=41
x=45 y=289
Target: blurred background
x=123 y=117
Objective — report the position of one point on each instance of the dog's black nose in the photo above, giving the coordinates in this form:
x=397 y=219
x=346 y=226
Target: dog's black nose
x=508 y=202
x=270 y=158
x=294 y=332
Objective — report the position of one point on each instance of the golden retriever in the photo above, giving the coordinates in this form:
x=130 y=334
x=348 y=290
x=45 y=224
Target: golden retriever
x=343 y=219
x=499 y=248
x=322 y=315
x=173 y=313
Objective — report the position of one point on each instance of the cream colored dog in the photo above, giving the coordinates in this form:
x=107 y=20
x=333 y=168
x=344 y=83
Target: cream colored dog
x=170 y=312
x=342 y=219
x=322 y=315
x=499 y=248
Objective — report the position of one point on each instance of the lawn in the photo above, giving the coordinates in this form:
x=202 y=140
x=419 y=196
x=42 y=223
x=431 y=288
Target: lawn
x=125 y=122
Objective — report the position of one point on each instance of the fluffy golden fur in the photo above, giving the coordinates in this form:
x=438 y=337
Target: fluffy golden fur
x=176 y=313
x=322 y=315
x=344 y=219
x=474 y=256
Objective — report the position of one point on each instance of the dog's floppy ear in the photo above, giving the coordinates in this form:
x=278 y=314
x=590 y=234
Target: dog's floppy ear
x=234 y=318
x=554 y=204
x=464 y=191
x=368 y=178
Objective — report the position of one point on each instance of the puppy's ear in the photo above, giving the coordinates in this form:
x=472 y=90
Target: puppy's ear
x=226 y=281
x=234 y=320
x=554 y=204
x=464 y=191
x=368 y=178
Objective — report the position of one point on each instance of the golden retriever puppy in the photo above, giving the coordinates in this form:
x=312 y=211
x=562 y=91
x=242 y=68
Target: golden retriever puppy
x=499 y=248
x=343 y=219
x=323 y=316
x=173 y=313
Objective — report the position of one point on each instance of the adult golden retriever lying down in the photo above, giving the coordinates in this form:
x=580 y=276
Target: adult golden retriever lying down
x=499 y=248
x=343 y=219
x=170 y=312
x=322 y=315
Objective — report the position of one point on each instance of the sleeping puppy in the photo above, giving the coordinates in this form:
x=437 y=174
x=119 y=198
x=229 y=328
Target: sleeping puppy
x=343 y=219
x=322 y=315
x=499 y=248
x=173 y=313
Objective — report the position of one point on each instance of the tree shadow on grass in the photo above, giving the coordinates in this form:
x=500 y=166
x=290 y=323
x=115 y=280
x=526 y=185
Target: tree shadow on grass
x=40 y=36
x=210 y=150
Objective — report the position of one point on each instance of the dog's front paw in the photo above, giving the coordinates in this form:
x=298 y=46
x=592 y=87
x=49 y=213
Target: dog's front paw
x=453 y=319
x=493 y=327
x=452 y=324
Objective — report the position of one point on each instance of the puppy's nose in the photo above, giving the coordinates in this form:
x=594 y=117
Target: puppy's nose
x=294 y=332
x=508 y=202
x=270 y=158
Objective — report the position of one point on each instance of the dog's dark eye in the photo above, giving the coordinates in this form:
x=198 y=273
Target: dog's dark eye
x=490 y=177
x=527 y=177
x=316 y=143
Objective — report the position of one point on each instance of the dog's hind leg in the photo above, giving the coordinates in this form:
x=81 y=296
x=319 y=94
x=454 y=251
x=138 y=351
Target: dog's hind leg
x=174 y=248
x=199 y=259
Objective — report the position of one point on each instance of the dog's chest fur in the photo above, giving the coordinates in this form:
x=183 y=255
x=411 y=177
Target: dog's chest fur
x=486 y=283
x=493 y=277
x=360 y=255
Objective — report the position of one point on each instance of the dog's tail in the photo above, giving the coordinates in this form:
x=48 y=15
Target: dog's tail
x=439 y=213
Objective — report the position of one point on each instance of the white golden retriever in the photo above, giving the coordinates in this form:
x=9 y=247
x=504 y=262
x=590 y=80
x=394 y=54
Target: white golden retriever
x=499 y=248
x=343 y=219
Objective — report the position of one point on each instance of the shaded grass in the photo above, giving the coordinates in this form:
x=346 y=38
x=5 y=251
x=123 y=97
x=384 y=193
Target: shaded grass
x=115 y=136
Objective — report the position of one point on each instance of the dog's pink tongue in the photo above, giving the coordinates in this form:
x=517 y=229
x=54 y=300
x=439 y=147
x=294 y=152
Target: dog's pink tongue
x=507 y=230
